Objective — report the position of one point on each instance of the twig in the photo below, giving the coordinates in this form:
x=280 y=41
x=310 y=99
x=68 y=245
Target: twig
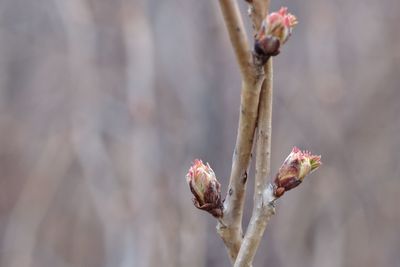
x=230 y=226
x=264 y=193
x=263 y=146
x=256 y=71
x=258 y=9
x=270 y=33
x=237 y=34
x=264 y=209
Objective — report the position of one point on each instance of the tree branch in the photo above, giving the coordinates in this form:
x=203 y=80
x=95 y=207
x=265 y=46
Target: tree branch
x=264 y=209
x=256 y=71
x=230 y=226
x=270 y=33
x=264 y=192
x=263 y=146
x=237 y=34
x=258 y=9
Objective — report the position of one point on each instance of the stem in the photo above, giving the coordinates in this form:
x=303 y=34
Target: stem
x=258 y=10
x=255 y=111
x=237 y=34
x=264 y=193
x=262 y=213
x=263 y=146
x=230 y=229
x=230 y=226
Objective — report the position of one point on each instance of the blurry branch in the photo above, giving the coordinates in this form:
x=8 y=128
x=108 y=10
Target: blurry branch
x=37 y=196
x=270 y=33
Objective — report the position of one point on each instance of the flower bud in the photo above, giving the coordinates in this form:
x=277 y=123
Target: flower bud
x=274 y=32
x=205 y=188
x=295 y=167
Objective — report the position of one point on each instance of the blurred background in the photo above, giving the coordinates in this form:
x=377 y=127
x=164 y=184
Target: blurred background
x=104 y=104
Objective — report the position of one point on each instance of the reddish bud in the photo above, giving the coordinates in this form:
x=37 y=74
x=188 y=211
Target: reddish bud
x=205 y=188
x=295 y=167
x=275 y=30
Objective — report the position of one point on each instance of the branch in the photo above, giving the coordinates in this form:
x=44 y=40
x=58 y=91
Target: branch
x=272 y=33
x=237 y=34
x=264 y=210
x=230 y=225
x=258 y=9
x=264 y=192
x=268 y=42
x=264 y=118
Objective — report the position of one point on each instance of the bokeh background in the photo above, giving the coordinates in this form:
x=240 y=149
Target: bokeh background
x=104 y=104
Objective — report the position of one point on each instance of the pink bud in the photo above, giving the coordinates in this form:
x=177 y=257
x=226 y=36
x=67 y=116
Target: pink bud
x=295 y=167
x=205 y=188
x=275 y=30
